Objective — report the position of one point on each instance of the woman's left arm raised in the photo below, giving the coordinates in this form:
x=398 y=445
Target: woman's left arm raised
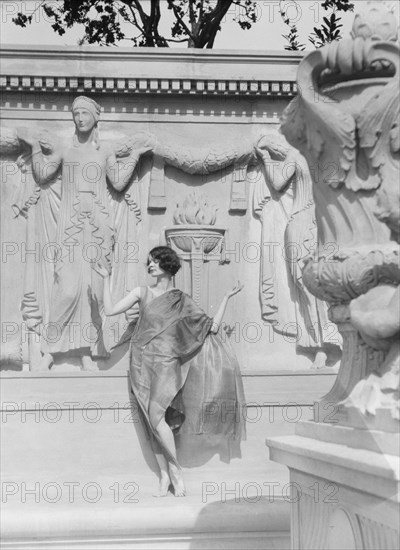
x=221 y=310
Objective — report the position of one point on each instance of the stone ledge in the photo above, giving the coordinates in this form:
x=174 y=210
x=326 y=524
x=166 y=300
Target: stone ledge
x=149 y=71
x=357 y=438
x=159 y=524
x=167 y=516
x=236 y=541
x=337 y=462
x=302 y=388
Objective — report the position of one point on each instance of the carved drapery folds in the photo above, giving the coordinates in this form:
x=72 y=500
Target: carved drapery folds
x=345 y=121
x=283 y=201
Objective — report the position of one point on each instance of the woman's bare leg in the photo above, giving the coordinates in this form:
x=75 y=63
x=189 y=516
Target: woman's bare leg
x=175 y=473
x=165 y=480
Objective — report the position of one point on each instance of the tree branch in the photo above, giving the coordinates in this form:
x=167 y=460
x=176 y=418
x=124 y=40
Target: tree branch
x=143 y=15
x=192 y=16
x=135 y=21
x=180 y=20
x=211 y=24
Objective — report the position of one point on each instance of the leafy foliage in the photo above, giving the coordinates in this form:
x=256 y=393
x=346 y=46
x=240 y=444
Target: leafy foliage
x=196 y=22
x=293 y=35
x=328 y=31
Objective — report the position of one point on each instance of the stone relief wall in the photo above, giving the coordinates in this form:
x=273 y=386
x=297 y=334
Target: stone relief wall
x=155 y=171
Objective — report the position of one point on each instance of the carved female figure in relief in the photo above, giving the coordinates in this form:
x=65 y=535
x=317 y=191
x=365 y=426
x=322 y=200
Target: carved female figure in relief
x=288 y=175
x=183 y=375
x=85 y=230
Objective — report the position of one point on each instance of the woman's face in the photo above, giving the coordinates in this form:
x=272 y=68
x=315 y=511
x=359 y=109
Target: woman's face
x=153 y=267
x=84 y=120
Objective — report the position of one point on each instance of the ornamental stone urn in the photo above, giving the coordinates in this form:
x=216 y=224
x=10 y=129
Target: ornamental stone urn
x=198 y=241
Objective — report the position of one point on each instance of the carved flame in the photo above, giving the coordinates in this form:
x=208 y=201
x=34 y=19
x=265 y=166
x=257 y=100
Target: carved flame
x=195 y=211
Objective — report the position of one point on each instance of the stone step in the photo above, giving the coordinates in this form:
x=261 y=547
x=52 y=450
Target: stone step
x=113 y=460
x=160 y=524
x=236 y=497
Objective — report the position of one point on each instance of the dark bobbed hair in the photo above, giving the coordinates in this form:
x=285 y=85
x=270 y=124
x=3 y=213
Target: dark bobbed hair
x=167 y=258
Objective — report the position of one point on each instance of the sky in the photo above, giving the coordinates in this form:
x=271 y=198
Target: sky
x=266 y=34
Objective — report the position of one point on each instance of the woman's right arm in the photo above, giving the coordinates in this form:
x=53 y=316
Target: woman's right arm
x=122 y=305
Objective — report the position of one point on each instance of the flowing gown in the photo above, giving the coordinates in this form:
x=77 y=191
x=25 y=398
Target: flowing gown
x=182 y=372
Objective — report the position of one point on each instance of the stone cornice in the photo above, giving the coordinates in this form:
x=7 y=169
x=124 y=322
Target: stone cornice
x=148 y=71
x=152 y=54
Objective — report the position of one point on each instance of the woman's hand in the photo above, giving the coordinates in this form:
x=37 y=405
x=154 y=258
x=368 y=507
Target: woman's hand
x=221 y=310
x=234 y=290
x=262 y=148
x=102 y=271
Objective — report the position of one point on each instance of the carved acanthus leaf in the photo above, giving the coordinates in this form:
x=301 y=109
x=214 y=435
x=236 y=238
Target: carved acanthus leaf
x=313 y=123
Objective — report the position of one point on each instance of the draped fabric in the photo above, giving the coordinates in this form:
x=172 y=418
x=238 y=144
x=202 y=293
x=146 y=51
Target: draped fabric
x=274 y=209
x=182 y=372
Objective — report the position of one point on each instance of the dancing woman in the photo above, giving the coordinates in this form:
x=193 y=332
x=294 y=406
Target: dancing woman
x=182 y=373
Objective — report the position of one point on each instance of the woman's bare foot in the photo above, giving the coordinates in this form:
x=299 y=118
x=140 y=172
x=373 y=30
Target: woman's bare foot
x=163 y=488
x=177 y=480
x=88 y=364
x=45 y=362
x=319 y=360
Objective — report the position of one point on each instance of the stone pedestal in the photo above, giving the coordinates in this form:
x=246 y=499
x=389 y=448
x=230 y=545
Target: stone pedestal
x=345 y=486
